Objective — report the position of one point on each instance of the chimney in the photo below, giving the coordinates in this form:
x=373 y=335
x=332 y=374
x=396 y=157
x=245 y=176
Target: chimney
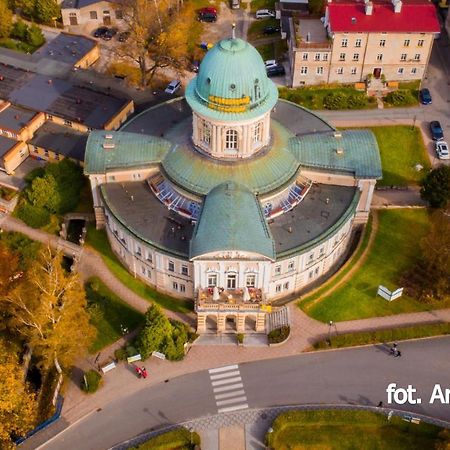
x=397 y=6
x=369 y=8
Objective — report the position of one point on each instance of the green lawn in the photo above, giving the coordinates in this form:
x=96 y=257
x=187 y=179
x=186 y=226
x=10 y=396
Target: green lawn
x=18 y=46
x=262 y=4
x=395 y=249
x=108 y=314
x=256 y=28
x=274 y=50
x=179 y=439
x=401 y=148
x=345 y=430
x=99 y=241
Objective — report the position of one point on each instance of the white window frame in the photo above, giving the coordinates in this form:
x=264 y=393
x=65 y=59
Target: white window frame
x=403 y=57
x=303 y=70
x=340 y=70
x=382 y=42
x=355 y=57
x=211 y=279
x=400 y=71
x=358 y=43
x=305 y=57
x=319 y=70
x=380 y=57
x=406 y=42
x=250 y=280
x=231 y=139
x=341 y=56
x=353 y=71
x=317 y=57
x=344 y=42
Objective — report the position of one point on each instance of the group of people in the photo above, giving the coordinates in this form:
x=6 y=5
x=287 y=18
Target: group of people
x=141 y=372
x=395 y=351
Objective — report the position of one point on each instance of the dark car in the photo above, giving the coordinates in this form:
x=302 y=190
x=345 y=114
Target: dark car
x=271 y=30
x=436 y=131
x=195 y=67
x=99 y=32
x=274 y=71
x=425 y=97
x=123 y=36
x=207 y=17
x=109 y=34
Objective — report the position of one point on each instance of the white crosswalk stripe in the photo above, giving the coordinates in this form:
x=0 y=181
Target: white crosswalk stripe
x=228 y=388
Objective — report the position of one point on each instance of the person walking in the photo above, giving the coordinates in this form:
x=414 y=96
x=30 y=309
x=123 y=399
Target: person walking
x=398 y=353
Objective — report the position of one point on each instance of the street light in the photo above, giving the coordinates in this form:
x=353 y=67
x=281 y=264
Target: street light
x=269 y=438
x=191 y=430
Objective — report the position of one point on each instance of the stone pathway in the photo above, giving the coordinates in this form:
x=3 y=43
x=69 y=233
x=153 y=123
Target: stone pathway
x=119 y=383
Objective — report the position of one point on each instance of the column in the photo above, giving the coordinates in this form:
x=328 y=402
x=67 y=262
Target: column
x=221 y=322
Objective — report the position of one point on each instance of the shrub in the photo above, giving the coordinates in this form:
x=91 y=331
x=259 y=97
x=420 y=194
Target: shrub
x=91 y=381
x=401 y=97
x=19 y=30
x=33 y=216
x=335 y=100
x=436 y=187
x=356 y=101
x=120 y=354
x=279 y=335
x=34 y=36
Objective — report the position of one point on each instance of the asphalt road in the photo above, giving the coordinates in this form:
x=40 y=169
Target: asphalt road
x=358 y=376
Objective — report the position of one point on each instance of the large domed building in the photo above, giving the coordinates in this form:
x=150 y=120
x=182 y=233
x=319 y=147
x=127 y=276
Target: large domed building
x=229 y=196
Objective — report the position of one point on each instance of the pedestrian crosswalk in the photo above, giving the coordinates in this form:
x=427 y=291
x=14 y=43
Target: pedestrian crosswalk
x=228 y=388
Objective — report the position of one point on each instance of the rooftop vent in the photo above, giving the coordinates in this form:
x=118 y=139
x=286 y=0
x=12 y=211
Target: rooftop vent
x=337 y=134
x=369 y=8
x=397 y=6
x=108 y=145
x=108 y=136
x=340 y=151
x=353 y=20
x=17 y=117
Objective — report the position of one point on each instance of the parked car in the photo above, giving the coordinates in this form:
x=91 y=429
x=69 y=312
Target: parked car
x=436 y=131
x=207 y=17
x=265 y=14
x=271 y=30
x=99 y=32
x=208 y=9
x=109 y=34
x=173 y=87
x=275 y=71
x=235 y=4
x=270 y=63
x=425 y=96
x=442 y=150
x=123 y=36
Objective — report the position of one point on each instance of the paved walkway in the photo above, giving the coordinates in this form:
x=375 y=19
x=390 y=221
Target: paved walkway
x=122 y=381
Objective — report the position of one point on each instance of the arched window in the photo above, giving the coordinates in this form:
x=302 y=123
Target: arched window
x=205 y=132
x=257 y=90
x=231 y=140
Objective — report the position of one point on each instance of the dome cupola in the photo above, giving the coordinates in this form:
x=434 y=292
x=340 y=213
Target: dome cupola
x=231 y=98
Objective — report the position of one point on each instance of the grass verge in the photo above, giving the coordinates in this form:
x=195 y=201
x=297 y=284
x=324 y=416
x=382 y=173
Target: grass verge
x=256 y=29
x=109 y=314
x=394 y=251
x=378 y=336
x=349 y=430
x=261 y=4
x=180 y=439
x=401 y=148
x=98 y=240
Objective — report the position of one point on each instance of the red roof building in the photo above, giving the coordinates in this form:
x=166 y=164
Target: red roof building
x=412 y=17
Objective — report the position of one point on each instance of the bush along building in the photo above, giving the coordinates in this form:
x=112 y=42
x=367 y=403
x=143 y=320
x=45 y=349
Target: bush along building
x=230 y=196
x=360 y=41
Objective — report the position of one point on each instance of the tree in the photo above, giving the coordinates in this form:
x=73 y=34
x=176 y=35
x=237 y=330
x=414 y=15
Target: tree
x=436 y=187
x=19 y=30
x=46 y=10
x=5 y=19
x=49 y=310
x=158 y=35
x=430 y=277
x=43 y=193
x=9 y=268
x=25 y=6
x=17 y=403
x=155 y=330
x=34 y=36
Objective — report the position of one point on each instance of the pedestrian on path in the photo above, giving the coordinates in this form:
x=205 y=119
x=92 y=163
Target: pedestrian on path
x=398 y=353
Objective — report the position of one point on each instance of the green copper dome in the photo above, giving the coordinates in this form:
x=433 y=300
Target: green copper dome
x=232 y=83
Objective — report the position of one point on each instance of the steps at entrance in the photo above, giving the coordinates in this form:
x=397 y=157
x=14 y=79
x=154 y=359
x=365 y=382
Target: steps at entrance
x=278 y=319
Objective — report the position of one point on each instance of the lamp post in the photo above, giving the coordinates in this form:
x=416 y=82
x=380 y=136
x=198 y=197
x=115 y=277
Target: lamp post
x=191 y=430
x=269 y=438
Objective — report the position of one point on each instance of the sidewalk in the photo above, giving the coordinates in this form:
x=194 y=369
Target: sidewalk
x=120 y=382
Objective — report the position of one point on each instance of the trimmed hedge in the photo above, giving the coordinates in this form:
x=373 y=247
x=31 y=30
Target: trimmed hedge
x=93 y=379
x=401 y=97
x=176 y=439
x=390 y=335
x=278 y=335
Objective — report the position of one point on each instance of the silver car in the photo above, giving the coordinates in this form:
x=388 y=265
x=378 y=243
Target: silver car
x=442 y=150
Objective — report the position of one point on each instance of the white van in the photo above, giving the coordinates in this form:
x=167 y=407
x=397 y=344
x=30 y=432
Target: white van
x=264 y=14
x=235 y=4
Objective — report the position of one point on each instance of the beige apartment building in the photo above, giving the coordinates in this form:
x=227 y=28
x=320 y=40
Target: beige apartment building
x=355 y=40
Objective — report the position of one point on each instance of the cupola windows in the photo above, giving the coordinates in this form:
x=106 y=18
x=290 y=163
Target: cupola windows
x=231 y=140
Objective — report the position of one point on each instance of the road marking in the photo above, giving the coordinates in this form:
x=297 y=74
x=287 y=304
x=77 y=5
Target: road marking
x=229 y=394
x=224 y=375
x=228 y=388
x=232 y=400
x=226 y=381
x=223 y=369
x=233 y=408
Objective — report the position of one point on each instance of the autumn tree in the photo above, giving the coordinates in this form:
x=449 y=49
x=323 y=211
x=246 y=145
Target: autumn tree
x=6 y=23
x=9 y=269
x=17 y=403
x=46 y=10
x=430 y=277
x=49 y=310
x=158 y=35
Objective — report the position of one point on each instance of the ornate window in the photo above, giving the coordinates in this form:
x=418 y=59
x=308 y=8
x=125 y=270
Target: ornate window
x=231 y=281
x=250 y=280
x=205 y=132
x=212 y=279
x=257 y=133
x=231 y=140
